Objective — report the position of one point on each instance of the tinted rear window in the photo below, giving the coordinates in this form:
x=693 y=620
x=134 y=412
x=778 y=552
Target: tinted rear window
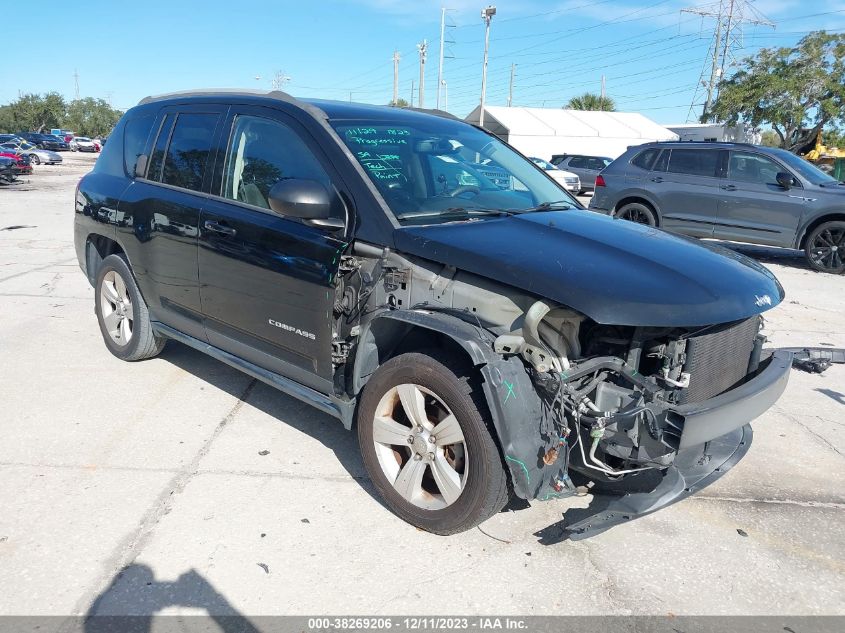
x=695 y=162
x=135 y=136
x=190 y=147
x=645 y=159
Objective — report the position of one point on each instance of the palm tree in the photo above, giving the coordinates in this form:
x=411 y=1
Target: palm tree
x=591 y=101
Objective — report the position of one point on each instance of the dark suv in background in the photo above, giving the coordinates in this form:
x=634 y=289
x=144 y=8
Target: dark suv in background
x=729 y=191
x=585 y=167
x=44 y=141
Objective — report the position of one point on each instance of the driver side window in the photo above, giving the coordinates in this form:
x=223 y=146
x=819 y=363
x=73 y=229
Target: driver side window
x=753 y=168
x=261 y=153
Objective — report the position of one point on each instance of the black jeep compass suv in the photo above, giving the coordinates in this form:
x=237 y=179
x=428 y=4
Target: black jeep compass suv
x=487 y=335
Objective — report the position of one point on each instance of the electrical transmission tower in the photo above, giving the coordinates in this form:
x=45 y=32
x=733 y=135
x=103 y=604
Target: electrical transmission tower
x=730 y=16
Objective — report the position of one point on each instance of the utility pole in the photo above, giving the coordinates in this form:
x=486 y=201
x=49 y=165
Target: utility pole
x=486 y=15
x=411 y=102
x=445 y=95
x=76 y=82
x=423 y=50
x=510 y=85
x=440 y=65
x=730 y=16
x=602 y=88
x=441 y=82
x=395 y=77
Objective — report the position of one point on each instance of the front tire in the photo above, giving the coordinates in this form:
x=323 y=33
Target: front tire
x=638 y=212
x=122 y=313
x=427 y=446
x=825 y=248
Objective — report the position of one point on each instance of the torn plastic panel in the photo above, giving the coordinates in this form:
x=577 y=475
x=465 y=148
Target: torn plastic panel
x=693 y=469
x=815 y=360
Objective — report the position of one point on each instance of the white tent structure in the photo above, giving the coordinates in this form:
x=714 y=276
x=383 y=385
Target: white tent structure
x=542 y=132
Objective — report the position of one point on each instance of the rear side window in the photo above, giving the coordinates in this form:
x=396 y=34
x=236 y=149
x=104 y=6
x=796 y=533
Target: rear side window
x=157 y=157
x=135 y=136
x=645 y=160
x=577 y=162
x=187 y=154
x=694 y=162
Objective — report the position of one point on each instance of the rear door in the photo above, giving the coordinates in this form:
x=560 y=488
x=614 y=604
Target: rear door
x=160 y=214
x=267 y=280
x=753 y=207
x=684 y=181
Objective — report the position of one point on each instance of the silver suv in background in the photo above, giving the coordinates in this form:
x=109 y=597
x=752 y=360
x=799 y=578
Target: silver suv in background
x=585 y=167
x=729 y=191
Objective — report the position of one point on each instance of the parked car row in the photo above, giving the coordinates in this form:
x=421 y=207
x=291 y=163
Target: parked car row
x=729 y=191
x=55 y=143
x=34 y=155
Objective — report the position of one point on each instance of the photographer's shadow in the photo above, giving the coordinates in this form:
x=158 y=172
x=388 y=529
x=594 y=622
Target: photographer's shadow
x=134 y=597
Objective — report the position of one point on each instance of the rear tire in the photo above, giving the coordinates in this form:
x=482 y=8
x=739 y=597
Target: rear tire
x=825 y=248
x=638 y=212
x=33 y=158
x=122 y=313
x=461 y=482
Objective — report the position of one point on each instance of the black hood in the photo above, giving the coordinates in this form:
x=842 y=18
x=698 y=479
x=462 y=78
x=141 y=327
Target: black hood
x=611 y=270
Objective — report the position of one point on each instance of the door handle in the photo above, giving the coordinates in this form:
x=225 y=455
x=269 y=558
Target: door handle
x=657 y=179
x=728 y=187
x=217 y=227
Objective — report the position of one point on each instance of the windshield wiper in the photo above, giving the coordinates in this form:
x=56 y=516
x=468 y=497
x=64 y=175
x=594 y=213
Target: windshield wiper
x=548 y=206
x=463 y=212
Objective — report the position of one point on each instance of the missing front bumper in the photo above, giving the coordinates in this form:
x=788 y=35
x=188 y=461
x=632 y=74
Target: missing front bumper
x=693 y=469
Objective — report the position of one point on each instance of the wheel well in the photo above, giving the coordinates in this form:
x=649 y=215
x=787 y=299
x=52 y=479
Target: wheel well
x=629 y=199
x=388 y=338
x=97 y=248
x=819 y=221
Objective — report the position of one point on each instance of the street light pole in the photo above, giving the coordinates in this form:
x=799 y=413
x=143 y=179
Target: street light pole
x=486 y=15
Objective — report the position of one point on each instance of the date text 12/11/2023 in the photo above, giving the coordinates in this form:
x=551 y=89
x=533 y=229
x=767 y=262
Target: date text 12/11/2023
x=423 y=623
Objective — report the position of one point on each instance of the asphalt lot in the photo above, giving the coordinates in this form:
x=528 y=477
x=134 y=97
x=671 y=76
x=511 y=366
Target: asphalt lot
x=132 y=488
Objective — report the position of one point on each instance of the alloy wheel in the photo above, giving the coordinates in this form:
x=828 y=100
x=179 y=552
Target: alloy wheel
x=828 y=249
x=637 y=214
x=116 y=308
x=420 y=447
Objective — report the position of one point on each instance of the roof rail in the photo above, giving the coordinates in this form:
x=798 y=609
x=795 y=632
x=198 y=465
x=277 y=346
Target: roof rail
x=213 y=92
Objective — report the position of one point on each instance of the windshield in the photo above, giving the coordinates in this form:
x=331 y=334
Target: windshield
x=806 y=170
x=438 y=170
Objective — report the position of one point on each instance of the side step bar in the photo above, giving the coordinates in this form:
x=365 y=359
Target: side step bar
x=335 y=407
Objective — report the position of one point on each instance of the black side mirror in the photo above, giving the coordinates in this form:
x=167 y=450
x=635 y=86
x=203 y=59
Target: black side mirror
x=784 y=180
x=307 y=200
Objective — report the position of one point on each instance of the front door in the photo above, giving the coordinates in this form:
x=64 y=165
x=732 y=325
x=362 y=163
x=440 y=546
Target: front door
x=753 y=207
x=266 y=281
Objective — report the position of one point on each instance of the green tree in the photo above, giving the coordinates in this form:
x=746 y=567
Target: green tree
x=90 y=117
x=34 y=112
x=399 y=103
x=797 y=91
x=591 y=101
x=769 y=138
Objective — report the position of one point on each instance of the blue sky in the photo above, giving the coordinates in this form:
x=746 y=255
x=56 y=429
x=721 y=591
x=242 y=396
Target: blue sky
x=650 y=53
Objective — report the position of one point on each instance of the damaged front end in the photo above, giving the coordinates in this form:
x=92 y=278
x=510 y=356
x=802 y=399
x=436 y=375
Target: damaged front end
x=653 y=414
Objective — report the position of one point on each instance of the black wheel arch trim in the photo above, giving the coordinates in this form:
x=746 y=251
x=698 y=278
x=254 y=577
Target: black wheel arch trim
x=515 y=408
x=804 y=232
